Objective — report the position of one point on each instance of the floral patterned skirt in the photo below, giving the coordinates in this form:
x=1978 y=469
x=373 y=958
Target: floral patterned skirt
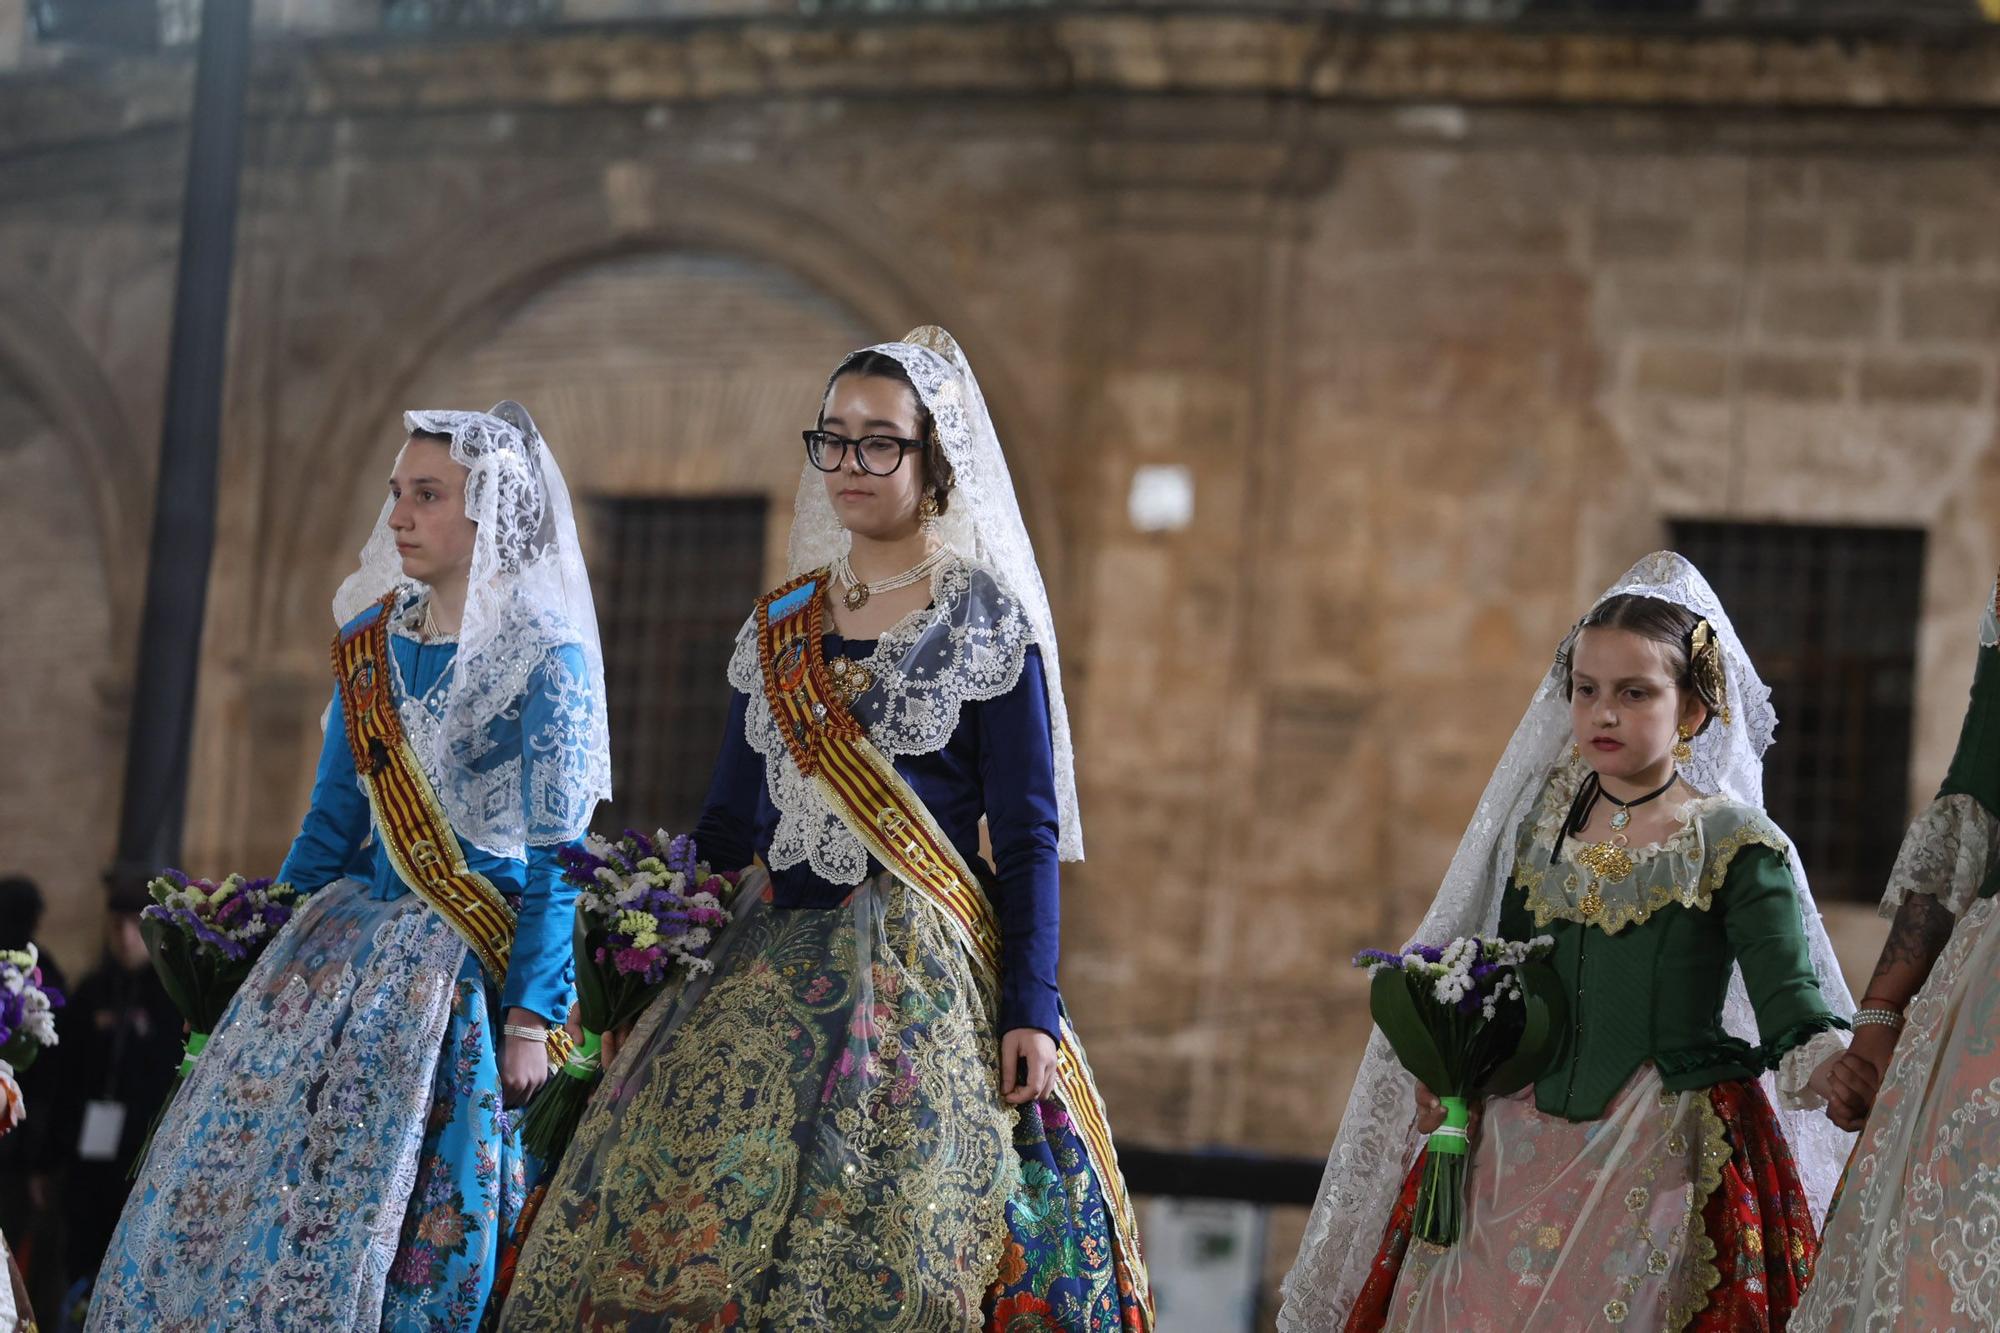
x=338 y=1159
x=812 y=1137
x=1913 y=1238
x=1674 y=1211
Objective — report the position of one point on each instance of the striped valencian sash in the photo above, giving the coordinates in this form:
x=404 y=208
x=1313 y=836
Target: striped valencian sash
x=833 y=751
x=414 y=831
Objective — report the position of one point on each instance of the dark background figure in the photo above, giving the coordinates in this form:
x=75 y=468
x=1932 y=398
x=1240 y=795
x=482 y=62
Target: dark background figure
x=29 y=1216
x=121 y=1044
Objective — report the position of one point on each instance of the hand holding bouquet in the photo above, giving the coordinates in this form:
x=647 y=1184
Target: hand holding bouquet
x=645 y=908
x=204 y=938
x=1475 y=1018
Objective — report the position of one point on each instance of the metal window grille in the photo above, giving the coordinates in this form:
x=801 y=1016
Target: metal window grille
x=1829 y=615
x=680 y=576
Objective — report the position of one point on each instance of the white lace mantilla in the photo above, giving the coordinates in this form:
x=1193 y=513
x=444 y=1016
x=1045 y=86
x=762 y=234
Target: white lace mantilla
x=982 y=524
x=967 y=646
x=528 y=676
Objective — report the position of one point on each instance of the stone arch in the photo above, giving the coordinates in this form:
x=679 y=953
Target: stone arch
x=71 y=570
x=59 y=372
x=471 y=275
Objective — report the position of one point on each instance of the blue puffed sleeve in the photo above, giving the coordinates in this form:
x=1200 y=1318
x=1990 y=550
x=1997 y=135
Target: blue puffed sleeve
x=1017 y=775
x=339 y=818
x=541 y=974
x=726 y=834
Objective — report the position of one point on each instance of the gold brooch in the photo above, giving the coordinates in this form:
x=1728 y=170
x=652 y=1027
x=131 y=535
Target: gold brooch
x=850 y=678
x=1607 y=860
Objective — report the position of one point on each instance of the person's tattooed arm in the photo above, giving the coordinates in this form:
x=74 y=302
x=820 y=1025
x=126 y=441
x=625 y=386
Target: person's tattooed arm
x=1917 y=936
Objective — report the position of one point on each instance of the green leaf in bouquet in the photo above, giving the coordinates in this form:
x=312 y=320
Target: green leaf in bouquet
x=21 y=1051
x=168 y=946
x=1402 y=1016
x=1545 y=1012
x=220 y=981
x=592 y=1002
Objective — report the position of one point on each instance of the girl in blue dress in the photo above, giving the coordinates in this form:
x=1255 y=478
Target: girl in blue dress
x=340 y=1156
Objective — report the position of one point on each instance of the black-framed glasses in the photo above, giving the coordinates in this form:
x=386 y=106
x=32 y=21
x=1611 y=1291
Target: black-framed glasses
x=880 y=455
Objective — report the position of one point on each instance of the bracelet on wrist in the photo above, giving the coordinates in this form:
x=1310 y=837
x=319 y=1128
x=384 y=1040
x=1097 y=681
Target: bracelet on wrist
x=1887 y=1018
x=525 y=1032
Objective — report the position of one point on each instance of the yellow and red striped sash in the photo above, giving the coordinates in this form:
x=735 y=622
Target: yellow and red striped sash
x=832 y=750
x=413 y=828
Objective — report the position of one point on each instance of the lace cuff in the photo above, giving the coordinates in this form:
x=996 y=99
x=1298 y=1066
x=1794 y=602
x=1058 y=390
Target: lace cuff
x=1798 y=1065
x=1947 y=854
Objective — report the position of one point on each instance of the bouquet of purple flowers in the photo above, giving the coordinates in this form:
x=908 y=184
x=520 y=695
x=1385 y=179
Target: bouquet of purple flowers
x=27 y=1007
x=204 y=938
x=1477 y=1017
x=27 y=1024
x=646 y=908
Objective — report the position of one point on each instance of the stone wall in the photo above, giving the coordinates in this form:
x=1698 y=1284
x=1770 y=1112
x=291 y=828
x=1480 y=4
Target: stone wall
x=1445 y=326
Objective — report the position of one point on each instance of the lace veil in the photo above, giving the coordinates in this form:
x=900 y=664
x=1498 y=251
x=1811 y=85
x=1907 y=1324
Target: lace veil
x=988 y=607
x=1377 y=1139
x=529 y=625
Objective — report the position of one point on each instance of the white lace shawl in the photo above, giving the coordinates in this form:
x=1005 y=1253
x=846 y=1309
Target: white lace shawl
x=967 y=646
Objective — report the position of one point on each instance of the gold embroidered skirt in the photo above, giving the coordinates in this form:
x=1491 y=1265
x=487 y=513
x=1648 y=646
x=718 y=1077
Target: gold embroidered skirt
x=810 y=1137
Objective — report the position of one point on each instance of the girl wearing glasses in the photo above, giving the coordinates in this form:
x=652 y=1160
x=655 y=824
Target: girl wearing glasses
x=874 y=1111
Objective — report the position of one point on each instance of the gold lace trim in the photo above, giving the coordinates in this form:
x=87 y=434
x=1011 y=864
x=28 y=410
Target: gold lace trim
x=1564 y=904
x=1699 y=1276
x=1723 y=854
x=1704 y=869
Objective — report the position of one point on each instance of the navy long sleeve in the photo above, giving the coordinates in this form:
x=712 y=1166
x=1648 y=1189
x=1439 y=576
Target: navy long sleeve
x=999 y=764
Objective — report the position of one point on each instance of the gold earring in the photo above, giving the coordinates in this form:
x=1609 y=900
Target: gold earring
x=1683 y=748
x=928 y=512
x=1575 y=752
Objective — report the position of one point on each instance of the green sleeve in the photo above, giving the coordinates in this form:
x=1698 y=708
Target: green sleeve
x=1761 y=917
x=1975 y=765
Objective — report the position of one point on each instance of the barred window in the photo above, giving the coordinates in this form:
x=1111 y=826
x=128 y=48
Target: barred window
x=675 y=581
x=1829 y=616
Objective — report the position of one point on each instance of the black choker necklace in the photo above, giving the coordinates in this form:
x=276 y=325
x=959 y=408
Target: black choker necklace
x=1586 y=801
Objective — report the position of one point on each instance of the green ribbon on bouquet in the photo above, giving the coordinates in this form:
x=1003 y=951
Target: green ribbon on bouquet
x=195 y=1044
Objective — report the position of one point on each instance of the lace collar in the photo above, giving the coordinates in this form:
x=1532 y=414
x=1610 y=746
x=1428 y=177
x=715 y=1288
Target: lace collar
x=1686 y=868
x=967 y=646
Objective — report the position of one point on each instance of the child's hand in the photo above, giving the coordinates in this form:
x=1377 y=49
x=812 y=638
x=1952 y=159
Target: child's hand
x=1430 y=1114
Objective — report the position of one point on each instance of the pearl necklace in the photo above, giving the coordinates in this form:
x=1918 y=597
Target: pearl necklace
x=858 y=593
x=427 y=625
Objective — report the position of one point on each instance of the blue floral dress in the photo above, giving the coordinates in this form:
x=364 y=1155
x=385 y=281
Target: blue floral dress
x=339 y=1158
